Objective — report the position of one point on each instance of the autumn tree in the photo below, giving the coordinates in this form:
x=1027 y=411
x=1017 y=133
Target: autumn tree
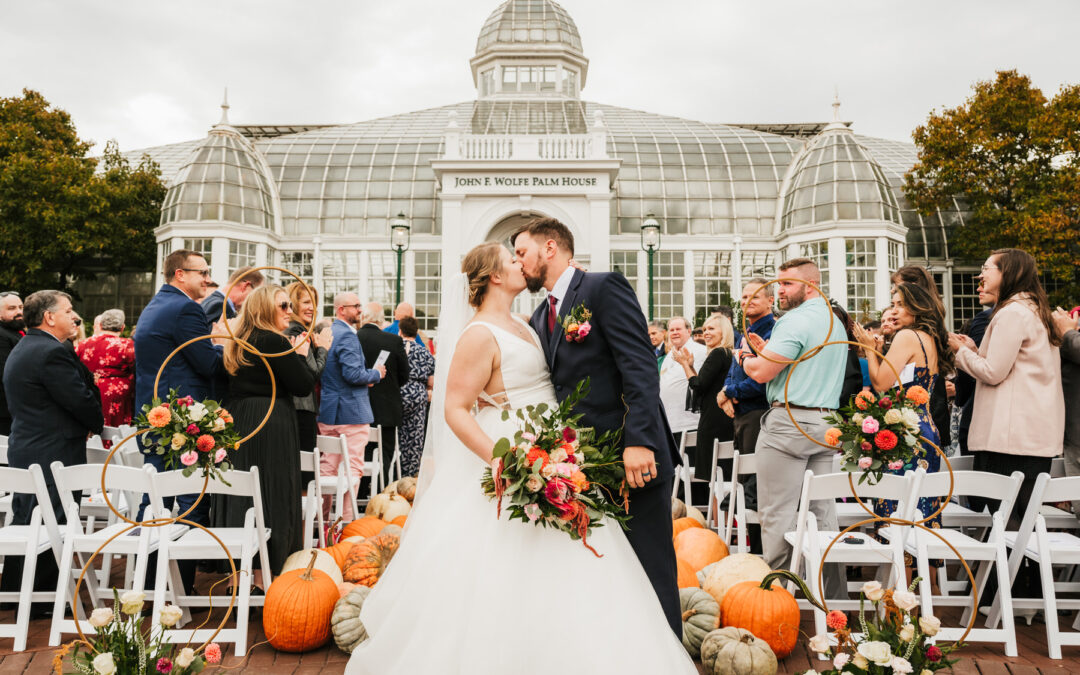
x=62 y=217
x=1014 y=155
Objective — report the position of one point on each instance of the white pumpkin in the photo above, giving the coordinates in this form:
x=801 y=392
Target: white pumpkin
x=734 y=651
x=678 y=508
x=692 y=512
x=731 y=570
x=323 y=561
x=345 y=621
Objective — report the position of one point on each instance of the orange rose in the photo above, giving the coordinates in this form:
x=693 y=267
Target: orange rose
x=159 y=416
x=917 y=395
x=832 y=437
x=863 y=400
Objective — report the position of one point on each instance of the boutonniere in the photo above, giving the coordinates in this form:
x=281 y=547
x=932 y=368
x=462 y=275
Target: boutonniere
x=576 y=324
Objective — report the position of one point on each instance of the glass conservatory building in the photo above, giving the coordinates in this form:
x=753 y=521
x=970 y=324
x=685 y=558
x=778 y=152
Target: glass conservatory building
x=732 y=201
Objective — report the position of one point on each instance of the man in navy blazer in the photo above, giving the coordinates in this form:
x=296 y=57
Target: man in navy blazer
x=345 y=407
x=624 y=386
x=241 y=283
x=173 y=317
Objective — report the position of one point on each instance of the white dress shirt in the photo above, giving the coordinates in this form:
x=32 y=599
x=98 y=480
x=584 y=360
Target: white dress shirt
x=673 y=386
x=562 y=285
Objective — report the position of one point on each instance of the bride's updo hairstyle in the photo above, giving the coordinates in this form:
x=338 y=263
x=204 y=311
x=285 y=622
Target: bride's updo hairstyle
x=480 y=264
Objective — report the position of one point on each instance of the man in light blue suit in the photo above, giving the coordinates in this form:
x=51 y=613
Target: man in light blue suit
x=345 y=409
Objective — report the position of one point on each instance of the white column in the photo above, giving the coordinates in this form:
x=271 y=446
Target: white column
x=363 y=288
x=219 y=267
x=688 y=285
x=408 y=283
x=316 y=272
x=736 y=269
x=950 y=315
x=837 y=271
x=643 y=281
x=453 y=230
x=599 y=232
x=882 y=275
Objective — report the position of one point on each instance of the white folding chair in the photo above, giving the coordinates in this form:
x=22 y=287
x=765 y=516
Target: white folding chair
x=243 y=543
x=342 y=486
x=719 y=488
x=28 y=541
x=373 y=465
x=983 y=555
x=738 y=515
x=138 y=543
x=314 y=525
x=808 y=542
x=393 y=472
x=684 y=474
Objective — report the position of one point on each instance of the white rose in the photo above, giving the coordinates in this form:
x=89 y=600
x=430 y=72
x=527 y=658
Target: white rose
x=929 y=625
x=900 y=665
x=841 y=660
x=819 y=643
x=907 y=633
x=534 y=484
x=219 y=424
x=558 y=455
x=101 y=617
x=185 y=657
x=905 y=600
x=857 y=419
x=170 y=615
x=893 y=416
x=131 y=602
x=860 y=662
x=548 y=471
x=178 y=441
x=880 y=653
x=873 y=591
x=911 y=418
x=104 y=664
x=926 y=672
x=197 y=411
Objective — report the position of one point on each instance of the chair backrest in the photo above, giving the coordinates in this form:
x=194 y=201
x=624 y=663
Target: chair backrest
x=832 y=485
x=240 y=484
x=972 y=484
x=87 y=478
x=3 y=449
x=1057 y=468
x=688 y=438
x=332 y=445
x=95 y=453
x=962 y=463
x=723 y=450
x=32 y=482
x=309 y=460
x=743 y=464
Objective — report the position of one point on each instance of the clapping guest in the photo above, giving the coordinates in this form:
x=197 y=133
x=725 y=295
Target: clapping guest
x=303 y=300
x=110 y=357
x=415 y=397
x=262 y=323
x=674 y=387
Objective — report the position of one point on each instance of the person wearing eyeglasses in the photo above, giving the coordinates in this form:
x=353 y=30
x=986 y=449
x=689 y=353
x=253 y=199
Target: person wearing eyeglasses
x=12 y=328
x=241 y=283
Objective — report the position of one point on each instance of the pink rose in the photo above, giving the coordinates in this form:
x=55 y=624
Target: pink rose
x=565 y=469
x=529 y=437
x=865 y=462
x=584 y=329
x=532 y=511
x=189 y=458
x=870 y=425
x=220 y=455
x=896 y=465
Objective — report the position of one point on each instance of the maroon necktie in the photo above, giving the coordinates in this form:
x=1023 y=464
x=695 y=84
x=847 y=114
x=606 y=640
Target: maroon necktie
x=552 y=301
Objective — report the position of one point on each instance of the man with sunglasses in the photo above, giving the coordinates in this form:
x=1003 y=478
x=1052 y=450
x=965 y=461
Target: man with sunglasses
x=12 y=329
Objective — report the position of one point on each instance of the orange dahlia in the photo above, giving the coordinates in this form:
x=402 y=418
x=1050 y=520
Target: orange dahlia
x=159 y=416
x=536 y=453
x=863 y=400
x=205 y=443
x=917 y=395
x=832 y=436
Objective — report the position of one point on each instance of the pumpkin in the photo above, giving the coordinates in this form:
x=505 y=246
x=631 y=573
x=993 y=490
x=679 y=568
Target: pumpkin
x=735 y=568
x=766 y=610
x=699 y=547
x=406 y=487
x=338 y=552
x=700 y=616
x=687 y=579
x=345 y=621
x=734 y=651
x=368 y=560
x=297 y=608
x=678 y=508
x=387 y=506
x=692 y=512
x=399 y=521
x=323 y=561
x=368 y=526
x=345 y=588
x=683 y=524
x=391 y=529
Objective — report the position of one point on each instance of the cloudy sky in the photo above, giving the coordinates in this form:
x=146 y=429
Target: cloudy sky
x=147 y=72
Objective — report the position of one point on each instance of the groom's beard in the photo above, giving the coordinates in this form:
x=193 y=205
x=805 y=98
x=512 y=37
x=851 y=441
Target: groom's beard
x=534 y=284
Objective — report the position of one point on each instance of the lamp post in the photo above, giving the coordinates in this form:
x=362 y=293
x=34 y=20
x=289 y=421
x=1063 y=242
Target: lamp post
x=650 y=242
x=399 y=241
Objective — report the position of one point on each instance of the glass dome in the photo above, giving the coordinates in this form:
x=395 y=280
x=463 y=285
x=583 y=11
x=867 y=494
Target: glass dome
x=528 y=21
x=223 y=180
x=837 y=179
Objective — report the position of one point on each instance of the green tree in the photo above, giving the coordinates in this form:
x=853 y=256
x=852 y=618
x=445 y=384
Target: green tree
x=61 y=219
x=1014 y=156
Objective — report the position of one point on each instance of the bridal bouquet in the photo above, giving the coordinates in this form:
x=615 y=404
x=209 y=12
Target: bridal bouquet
x=894 y=640
x=877 y=432
x=192 y=434
x=557 y=473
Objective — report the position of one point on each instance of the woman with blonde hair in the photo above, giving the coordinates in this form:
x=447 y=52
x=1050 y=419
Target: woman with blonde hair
x=304 y=302
x=262 y=322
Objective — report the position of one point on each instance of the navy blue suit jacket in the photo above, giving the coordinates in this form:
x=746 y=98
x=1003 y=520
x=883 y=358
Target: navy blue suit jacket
x=212 y=303
x=618 y=359
x=169 y=320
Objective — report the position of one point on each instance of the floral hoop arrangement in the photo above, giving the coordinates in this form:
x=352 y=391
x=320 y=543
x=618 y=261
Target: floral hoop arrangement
x=875 y=432
x=191 y=434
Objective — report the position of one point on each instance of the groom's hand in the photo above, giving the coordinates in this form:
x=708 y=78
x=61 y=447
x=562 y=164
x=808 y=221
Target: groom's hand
x=640 y=464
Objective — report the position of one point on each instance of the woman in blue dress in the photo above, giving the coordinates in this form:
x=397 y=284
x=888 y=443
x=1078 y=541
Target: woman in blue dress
x=921 y=340
x=415 y=394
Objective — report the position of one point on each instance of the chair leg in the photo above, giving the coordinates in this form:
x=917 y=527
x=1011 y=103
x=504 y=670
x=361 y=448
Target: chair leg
x=243 y=603
x=63 y=585
x=22 y=615
x=1008 y=621
x=1053 y=632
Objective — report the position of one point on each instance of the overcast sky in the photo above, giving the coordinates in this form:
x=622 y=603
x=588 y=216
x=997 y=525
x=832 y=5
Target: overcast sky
x=148 y=73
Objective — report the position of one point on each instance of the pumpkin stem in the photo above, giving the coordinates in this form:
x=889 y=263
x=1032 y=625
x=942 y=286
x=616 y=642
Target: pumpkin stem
x=306 y=576
x=688 y=613
x=767 y=582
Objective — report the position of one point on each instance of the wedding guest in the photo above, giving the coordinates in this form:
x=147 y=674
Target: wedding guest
x=303 y=300
x=674 y=387
x=262 y=322
x=658 y=338
x=403 y=310
x=385 y=395
x=110 y=357
x=705 y=385
x=243 y=282
x=965 y=384
x=12 y=328
x=344 y=407
x=415 y=397
x=698 y=336
x=80 y=332
x=1067 y=327
x=812 y=391
x=727 y=312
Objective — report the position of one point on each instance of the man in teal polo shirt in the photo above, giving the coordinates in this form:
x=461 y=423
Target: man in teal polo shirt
x=783 y=452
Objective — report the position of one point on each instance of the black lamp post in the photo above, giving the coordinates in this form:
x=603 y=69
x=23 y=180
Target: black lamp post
x=650 y=242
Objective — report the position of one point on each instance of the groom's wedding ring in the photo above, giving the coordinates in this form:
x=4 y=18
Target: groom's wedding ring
x=646 y=473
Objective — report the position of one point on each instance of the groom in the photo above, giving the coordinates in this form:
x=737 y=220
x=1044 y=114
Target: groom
x=624 y=386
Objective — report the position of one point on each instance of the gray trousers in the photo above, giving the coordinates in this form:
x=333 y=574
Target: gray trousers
x=783 y=456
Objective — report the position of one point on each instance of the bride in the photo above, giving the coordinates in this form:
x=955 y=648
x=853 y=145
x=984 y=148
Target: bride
x=472 y=594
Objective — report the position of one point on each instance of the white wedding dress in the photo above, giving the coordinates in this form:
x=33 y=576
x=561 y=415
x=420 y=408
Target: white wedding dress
x=471 y=594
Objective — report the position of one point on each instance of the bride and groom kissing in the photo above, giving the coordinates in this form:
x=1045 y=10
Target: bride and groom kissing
x=469 y=592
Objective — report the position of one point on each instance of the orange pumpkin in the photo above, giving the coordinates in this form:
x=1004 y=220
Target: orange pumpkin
x=296 y=614
x=683 y=524
x=368 y=526
x=766 y=610
x=399 y=521
x=339 y=552
x=368 y=559
x=700 y=547
x=687 y=576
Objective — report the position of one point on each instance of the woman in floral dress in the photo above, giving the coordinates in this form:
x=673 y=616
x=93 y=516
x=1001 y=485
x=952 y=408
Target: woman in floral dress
x=111 y=359
x=415 y=394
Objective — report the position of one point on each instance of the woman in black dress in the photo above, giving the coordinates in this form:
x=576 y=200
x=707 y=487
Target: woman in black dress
x=713 y=423
x=275 y=449
x=303 y=301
